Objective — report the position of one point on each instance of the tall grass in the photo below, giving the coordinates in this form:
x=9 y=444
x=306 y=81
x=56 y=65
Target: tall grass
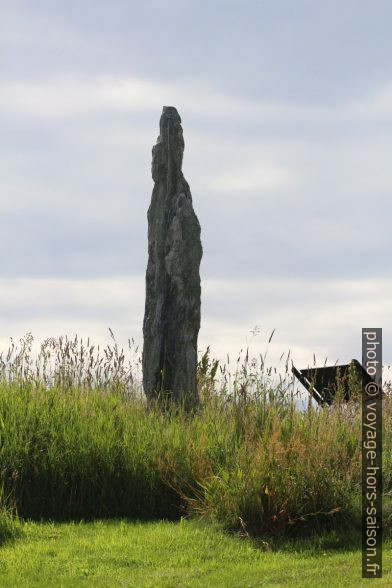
x=78 y=440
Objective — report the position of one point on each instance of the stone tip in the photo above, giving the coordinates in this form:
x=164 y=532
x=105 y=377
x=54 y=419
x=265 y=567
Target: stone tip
x=171 y=112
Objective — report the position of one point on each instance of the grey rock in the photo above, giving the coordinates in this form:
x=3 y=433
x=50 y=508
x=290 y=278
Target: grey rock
x=172 y=309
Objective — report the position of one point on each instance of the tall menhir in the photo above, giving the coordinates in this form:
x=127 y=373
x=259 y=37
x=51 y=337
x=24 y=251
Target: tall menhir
x=172 y=311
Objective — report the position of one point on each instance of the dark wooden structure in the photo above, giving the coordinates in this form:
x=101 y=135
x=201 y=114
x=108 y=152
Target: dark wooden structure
x=323 y=383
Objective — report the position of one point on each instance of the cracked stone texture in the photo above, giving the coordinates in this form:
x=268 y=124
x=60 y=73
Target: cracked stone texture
x=172 y=308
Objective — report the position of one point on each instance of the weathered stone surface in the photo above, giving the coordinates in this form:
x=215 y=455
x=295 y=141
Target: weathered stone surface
x=172 y=310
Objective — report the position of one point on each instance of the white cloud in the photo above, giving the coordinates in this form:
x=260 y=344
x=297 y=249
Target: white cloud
x=322 y=318
x=287 y=155
x=49 y=307
x=375 y=104
x=68 y=96
x=262 y=177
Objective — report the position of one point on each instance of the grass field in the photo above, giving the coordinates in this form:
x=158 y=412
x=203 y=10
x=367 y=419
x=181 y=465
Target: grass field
x=188 y=553
x=79 y=443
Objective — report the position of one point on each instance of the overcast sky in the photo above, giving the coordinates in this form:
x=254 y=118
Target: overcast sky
x=286 y=110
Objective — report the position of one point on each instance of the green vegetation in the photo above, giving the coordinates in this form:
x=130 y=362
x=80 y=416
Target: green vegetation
x=77 y=441
x=278 y=487
x=119 y=553
x=9 y=526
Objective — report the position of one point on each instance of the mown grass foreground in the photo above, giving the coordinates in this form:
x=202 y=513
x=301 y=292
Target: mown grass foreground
x=119 y=553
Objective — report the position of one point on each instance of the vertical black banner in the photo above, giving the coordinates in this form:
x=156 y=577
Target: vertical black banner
x=372 y=454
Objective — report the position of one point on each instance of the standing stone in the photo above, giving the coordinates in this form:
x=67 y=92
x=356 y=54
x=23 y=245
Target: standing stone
x=172 y=310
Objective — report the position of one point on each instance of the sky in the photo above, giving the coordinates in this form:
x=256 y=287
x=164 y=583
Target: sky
x=286 y=110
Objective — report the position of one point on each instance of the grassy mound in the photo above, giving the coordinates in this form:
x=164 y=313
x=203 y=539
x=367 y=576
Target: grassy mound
x=253 y=462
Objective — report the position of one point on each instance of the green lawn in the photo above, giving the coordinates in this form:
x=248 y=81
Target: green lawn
x=162 y=554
